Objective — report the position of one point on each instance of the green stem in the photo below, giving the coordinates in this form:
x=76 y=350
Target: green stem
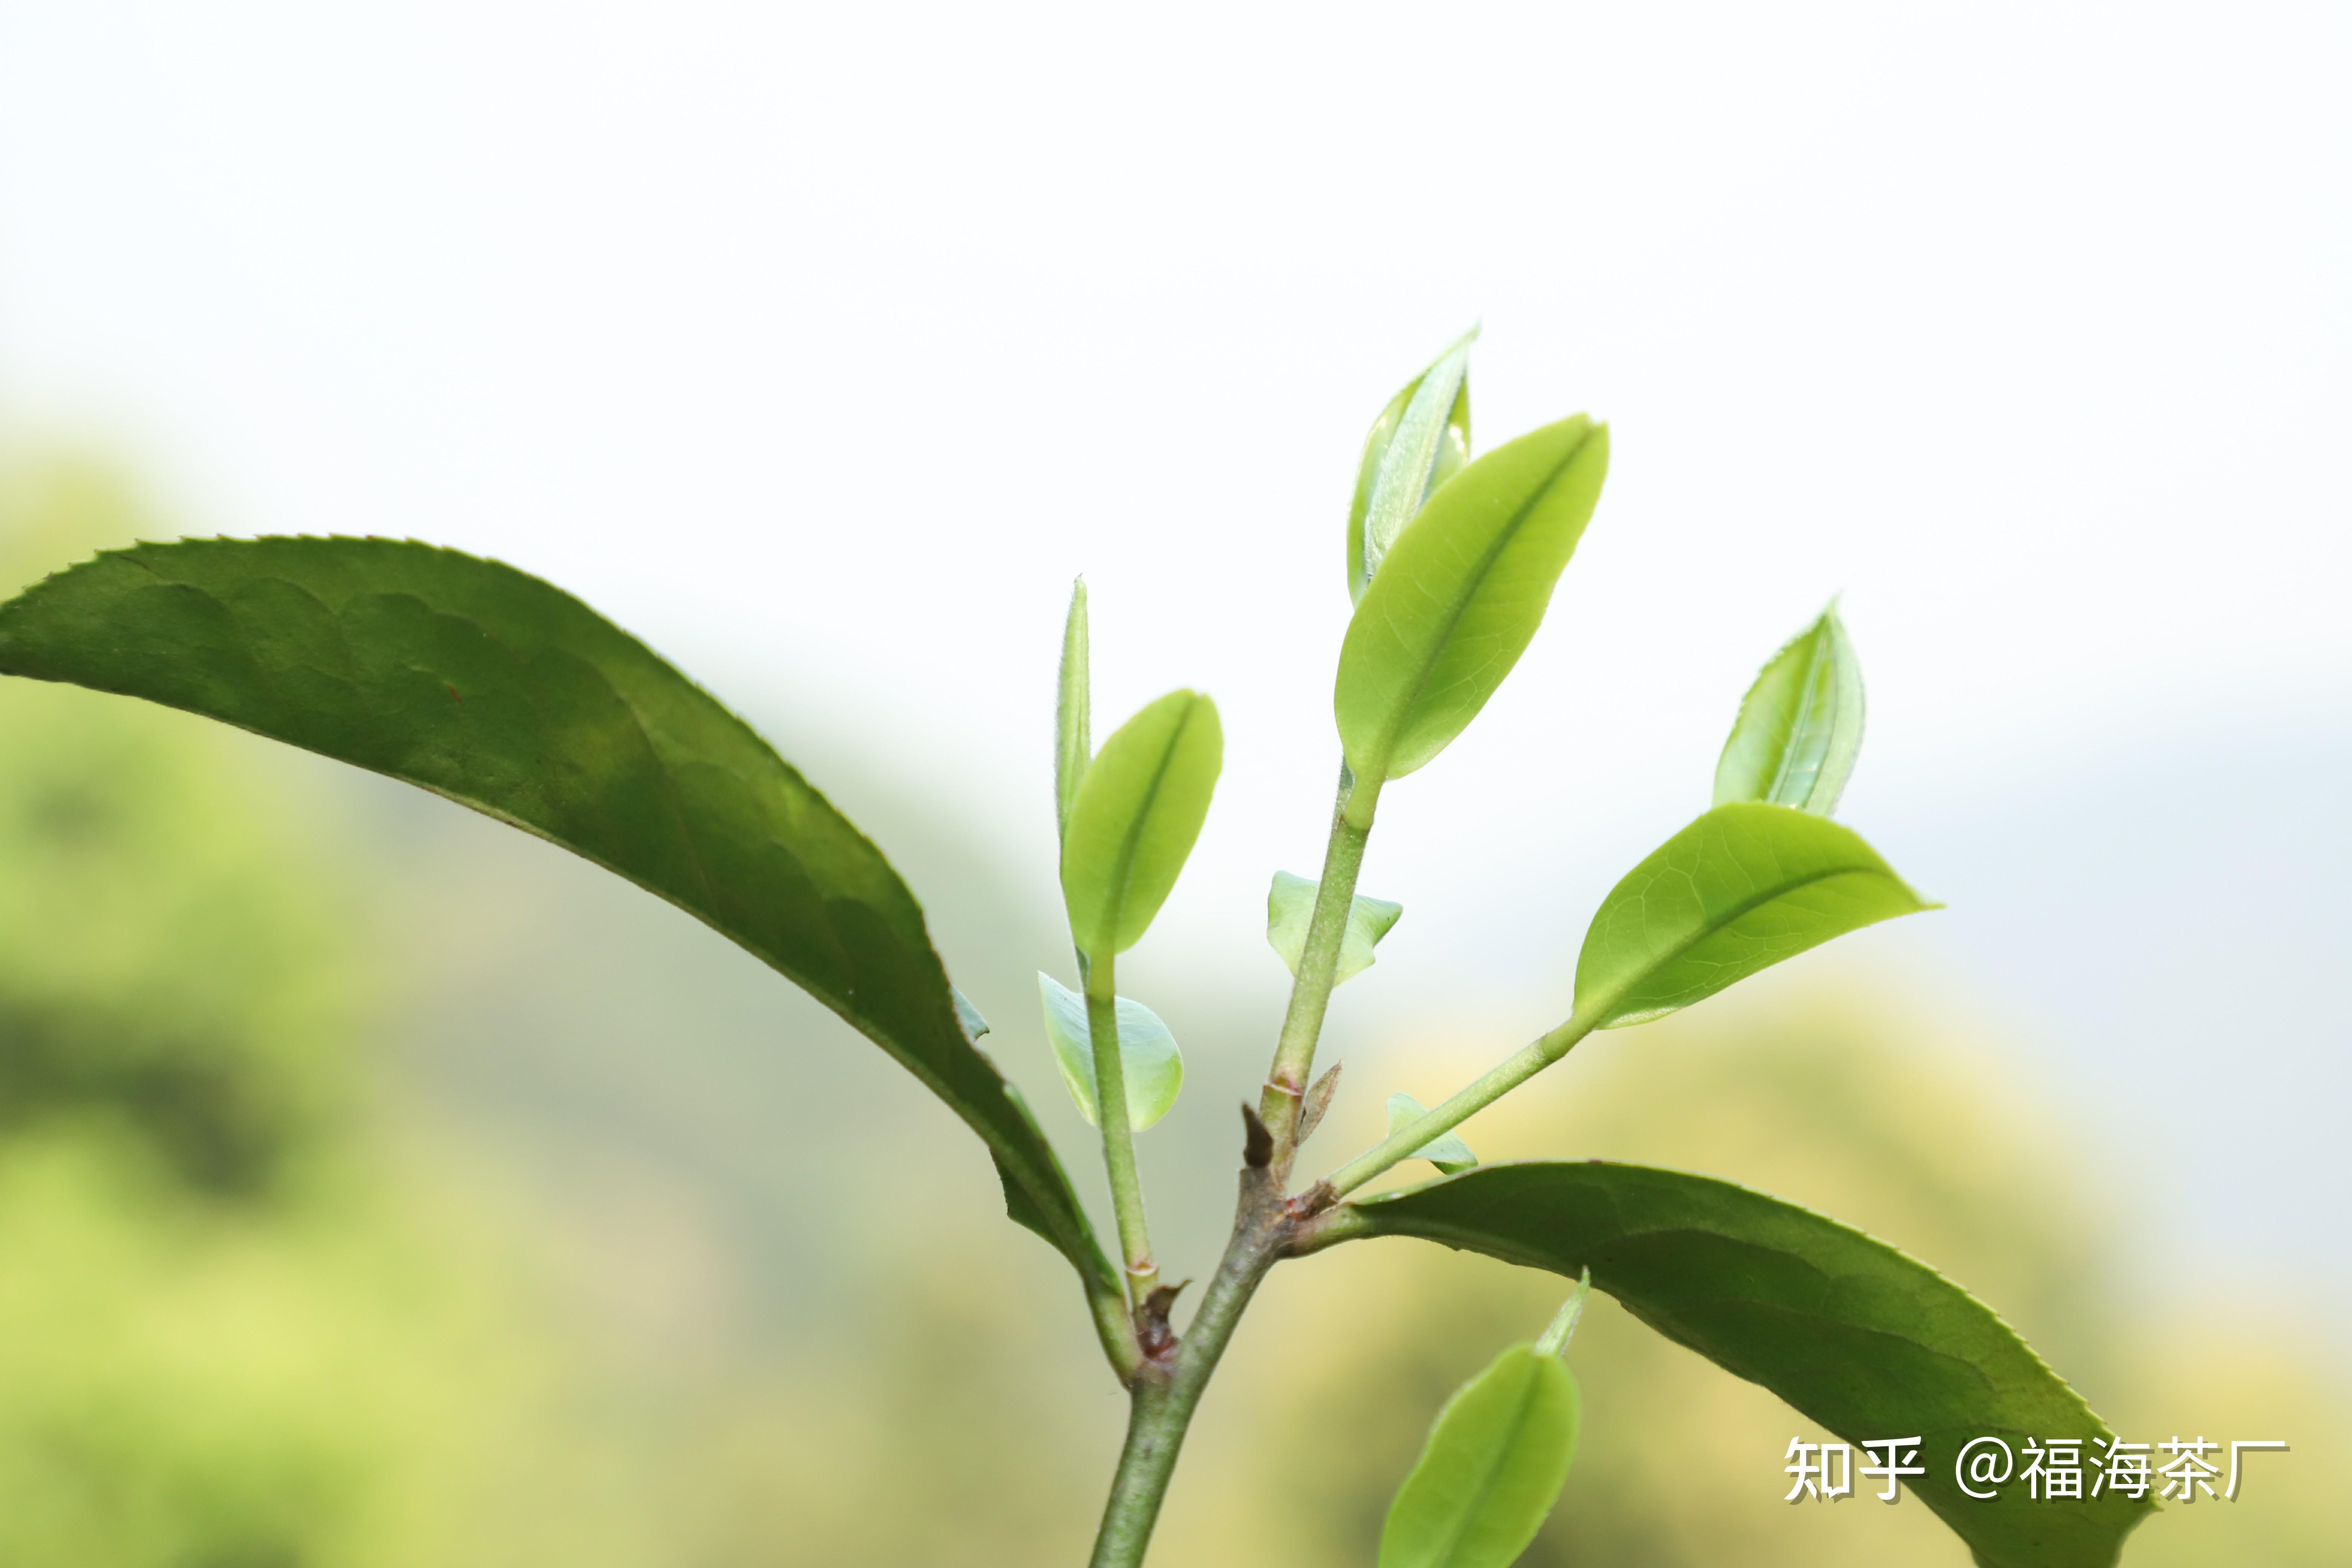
x=1118 y=1139
x=1162 y=1405
x=1514 y=1070
x=1319 y=963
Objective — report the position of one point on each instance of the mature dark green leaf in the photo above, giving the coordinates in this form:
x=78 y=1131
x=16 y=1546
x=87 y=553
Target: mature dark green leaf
x=1864 y=1340
x=1290 y=907
x=1460 y=595
x=1492 y=1469
x=1074 y=700
x=1800 y=727
x=507 y=695
x=1447 y=1151
x=1420 y=441
x=1138 y=814
x=1738 y=891
x=1150 y=1062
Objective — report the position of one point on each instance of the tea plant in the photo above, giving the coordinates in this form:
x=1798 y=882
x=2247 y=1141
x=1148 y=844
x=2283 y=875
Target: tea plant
x=491 y=687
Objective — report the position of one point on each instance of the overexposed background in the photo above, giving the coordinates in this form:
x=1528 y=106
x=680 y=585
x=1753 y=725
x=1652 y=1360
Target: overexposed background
x=821 y=346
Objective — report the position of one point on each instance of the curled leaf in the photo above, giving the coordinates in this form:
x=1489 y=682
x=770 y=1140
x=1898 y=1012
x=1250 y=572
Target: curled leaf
x=1290 y=907
x=1460 y=595
x=1800 y=727
x=1421 y=440
x=1073 y=702
x=1153 y=1067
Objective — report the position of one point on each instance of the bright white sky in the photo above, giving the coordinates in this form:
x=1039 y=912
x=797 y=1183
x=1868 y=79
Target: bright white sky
x=821 y=345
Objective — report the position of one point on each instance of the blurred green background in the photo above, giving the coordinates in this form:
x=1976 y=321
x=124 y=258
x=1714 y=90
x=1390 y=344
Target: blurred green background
x=380 y=1187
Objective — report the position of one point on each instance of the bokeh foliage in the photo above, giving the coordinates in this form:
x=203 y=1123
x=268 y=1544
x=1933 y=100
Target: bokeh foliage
x=241 y=1325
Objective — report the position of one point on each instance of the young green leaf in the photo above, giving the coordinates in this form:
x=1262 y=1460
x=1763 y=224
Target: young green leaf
x=1867 y=1341
x=1137 y=815
x=1290 y=905
x=1460 y=595
x=1421 y=440
x=1447 y=1151
x=1491 y=1471
x=508 y=696
x=1738 y=891
x=1149 y=1058
x=1074 y=700
x=1800 y=726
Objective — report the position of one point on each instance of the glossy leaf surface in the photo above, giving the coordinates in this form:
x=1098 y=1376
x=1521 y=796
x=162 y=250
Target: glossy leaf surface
x=1864 y=1340
x=1290 y=906
x=1137 y=816
x=1447 y=1151
x=507 y=695
x=1460 y=595
x=1152 y=1066
x=1491 y=1471
x=1073 y=710
x=1800 y=727
x=1420 y=441
x=1740 y=889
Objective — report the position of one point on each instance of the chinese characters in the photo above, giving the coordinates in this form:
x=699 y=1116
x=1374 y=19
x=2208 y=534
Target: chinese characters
x=2051 y=1469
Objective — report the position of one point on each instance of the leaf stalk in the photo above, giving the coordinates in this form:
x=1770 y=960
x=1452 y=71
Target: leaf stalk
x=1514 y=1071
x=1319 y=965
x=1117 y=1137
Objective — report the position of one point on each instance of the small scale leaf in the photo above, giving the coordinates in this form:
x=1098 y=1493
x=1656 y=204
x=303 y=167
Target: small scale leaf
x=1290 y=906
x=1740 y=889
x=1460 y=595
x=1855 y=1335
x=1317 y=1102
x=1153 y=1067
x=1137 y=812
x=1492 y=1469
x=1800 y=727
x=1421 y=440
x=1447 y=1151
x=974 y=1026
x=1073 y=744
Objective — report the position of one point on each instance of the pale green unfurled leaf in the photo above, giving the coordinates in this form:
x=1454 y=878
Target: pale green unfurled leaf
x=1421 y=440
x=1852 y=1333
x=1800 y=727
x=974 y=1026
x=496 y=691
x=1492 y=1469
x=1137 y=812
x=1460 y=595
x=1290 y=905
x=1153 y=1067
x=1073 y=743
x=1447 y=1151
x=1738 y=891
